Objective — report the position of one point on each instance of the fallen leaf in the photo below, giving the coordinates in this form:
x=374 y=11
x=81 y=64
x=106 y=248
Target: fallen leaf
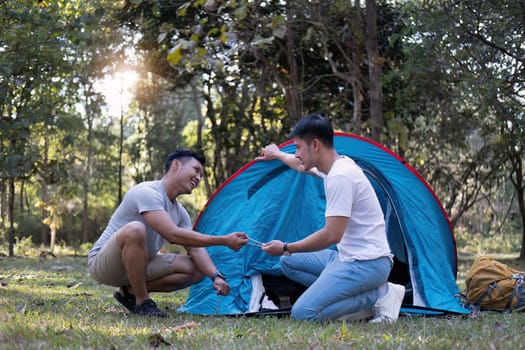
x=74 y=285
x=188 y=325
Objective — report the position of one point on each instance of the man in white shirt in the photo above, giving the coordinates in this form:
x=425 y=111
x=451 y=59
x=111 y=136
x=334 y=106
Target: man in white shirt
x=350 y=282
x=126 y=255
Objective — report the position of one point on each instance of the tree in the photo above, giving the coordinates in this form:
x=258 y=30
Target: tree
x=42 y=73
x=375 y=61
x=256 y=59
x=461 y=97
x=31 y=69
x=497 y=30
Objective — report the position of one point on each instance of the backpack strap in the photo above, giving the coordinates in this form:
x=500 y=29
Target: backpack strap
x=519 y=281
x=486 y=293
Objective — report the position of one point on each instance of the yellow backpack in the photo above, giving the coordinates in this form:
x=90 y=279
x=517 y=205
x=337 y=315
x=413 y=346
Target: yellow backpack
x=492 y=285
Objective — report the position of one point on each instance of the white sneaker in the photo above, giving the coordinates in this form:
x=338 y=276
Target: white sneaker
x=357 y=316
x=387 y=308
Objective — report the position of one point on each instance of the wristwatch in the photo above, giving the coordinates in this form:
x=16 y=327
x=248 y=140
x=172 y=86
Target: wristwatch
x=217 y=274
x=285 y=250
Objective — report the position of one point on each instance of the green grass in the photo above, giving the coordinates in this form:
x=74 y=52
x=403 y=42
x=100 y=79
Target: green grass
x=52 y=303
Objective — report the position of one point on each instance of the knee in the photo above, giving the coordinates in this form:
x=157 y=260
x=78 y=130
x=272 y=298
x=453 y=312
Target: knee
x=304 y=310
x=189 y=280
x=133 y=232
x=197 y=277
x=299 y=313
x=285 y=264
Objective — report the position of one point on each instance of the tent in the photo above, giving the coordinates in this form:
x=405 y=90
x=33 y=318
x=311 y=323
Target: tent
x=267 y=200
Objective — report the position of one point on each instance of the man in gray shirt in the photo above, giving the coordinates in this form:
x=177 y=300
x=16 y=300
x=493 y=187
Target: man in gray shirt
x=126 y=255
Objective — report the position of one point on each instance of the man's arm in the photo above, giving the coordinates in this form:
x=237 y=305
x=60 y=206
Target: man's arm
x=272 y=152
x=330 y=234
x=203 y=262
x=161 y=222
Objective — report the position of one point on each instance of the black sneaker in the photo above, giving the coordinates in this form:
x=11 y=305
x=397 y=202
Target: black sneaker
x=149 y=308
x=125 y=298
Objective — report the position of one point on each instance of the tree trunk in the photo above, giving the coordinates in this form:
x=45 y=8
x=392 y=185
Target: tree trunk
x=53 y=228
x=10 y=214
x=120 y=153
x=86 y=226
x=200 y=118
x=374 y=71
x=357 y=85
x=517 y=162
x=21 y=196
x=3 y=204
x=200 y=126
x=292 y=92
x=44 y=196
x=521 y=202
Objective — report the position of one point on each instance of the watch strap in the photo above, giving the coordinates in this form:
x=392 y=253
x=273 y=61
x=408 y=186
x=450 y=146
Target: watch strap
x=285 y=249
x=217 y=274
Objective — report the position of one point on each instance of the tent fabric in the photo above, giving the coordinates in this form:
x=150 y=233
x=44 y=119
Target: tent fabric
x=267 y=200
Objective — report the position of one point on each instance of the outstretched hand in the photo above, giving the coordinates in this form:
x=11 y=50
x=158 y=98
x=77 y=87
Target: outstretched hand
x=274 y=247
x=269 y=152
x=236 y=240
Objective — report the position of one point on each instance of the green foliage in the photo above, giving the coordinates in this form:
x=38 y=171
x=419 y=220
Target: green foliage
x=457 y=94
x=30 y=77
x=46 y=75
x=28 y=228
x=24 y=247
x=254 y=61
x=505 y=243
x=228 y=77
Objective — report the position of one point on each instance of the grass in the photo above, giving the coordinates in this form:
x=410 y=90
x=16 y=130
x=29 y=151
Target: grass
x=52 y=303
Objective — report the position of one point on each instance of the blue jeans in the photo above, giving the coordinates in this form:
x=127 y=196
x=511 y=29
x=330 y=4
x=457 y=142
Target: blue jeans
x=335 y=288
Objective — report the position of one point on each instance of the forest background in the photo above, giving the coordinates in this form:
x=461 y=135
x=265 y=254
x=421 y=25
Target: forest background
x=94 y=95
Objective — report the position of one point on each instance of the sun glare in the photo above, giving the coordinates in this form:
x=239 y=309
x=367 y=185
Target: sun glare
x=118 y=90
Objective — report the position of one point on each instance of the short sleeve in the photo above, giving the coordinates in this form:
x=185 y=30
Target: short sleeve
x=147 y=199
x=339 y=196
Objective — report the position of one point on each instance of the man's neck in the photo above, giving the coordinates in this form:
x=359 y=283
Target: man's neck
x=327 y=159
x=170 y=188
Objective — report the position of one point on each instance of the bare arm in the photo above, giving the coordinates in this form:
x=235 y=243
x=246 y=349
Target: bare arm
x=202 y=260
x=330 y=234
x=161 y=222
x=272 y=152
x=204 y=263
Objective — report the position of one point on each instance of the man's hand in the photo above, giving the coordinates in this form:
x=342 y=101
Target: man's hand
x=269 y=152
x=272 y=152
x=236 y=240
x=274 y=247
x=221 y=286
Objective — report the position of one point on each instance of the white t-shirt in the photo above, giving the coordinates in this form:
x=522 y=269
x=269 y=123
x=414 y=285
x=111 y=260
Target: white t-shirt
x=146 y=196
x=349 y=193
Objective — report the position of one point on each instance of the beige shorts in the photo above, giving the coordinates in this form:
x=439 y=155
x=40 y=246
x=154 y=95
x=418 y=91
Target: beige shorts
x=107 y=266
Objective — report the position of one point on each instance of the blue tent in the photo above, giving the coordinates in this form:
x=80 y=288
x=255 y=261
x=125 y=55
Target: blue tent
x=267 y=200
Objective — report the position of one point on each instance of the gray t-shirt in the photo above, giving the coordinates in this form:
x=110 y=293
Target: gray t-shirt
x=146 y=196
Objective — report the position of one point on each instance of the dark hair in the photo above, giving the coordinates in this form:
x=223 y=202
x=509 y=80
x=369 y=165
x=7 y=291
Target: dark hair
x=182 y=155
x=314 y=126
